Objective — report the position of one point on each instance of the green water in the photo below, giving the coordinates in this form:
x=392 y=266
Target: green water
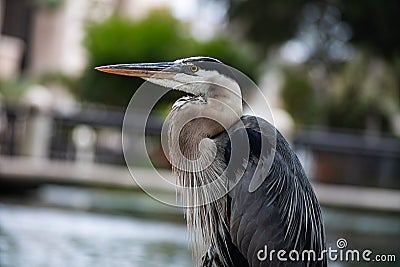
x=72 y=226
x=32 y=236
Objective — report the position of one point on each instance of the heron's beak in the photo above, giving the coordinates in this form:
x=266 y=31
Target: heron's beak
x=162 y=70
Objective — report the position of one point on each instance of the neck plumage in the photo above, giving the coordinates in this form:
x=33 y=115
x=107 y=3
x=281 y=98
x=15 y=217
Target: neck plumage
x=199 y=169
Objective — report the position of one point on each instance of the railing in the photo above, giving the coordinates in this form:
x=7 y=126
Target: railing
x=93 y=134
x=349 y=158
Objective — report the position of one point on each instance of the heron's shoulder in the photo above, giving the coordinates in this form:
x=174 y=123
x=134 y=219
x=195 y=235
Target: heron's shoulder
x=252 y=127
x=257 y=128
x=254 y=123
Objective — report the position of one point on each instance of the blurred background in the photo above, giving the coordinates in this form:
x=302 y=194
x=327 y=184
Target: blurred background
x=329 y=69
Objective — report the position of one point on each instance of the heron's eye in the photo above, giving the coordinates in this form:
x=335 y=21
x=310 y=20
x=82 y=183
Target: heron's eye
x=194 y=68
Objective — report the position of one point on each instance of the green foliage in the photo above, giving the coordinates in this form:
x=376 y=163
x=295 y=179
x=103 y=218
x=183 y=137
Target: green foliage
x=373 y=24
x=159 y=37
x=49 y=4
x=13 y=89
x=266 y=22
x=272 y=22
x=299 y=96
x=69 y=82
x=363 y=94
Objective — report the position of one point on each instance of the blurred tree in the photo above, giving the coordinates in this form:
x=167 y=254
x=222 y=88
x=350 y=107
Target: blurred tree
x=275 y=21
x=363 y=94
x=300 y=100
x=266 y=22
x=159 y=37
x=13 y=89
x=330 y=83
x=373 y=24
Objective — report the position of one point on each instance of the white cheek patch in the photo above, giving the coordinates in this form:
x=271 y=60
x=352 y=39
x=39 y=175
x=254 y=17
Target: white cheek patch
x=185 y=78
x=191 y=84
x=164 y=82
x=182 y=82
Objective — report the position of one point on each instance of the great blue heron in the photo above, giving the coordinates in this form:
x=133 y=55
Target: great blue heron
x=282 y=213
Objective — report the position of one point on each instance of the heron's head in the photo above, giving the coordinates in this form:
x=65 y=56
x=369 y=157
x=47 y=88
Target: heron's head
x=198 y=76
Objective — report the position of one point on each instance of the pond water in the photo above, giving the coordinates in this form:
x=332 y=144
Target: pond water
x=32 y=236
x=56 y=232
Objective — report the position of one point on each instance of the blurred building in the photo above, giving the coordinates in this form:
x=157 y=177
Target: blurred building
x=46 y=36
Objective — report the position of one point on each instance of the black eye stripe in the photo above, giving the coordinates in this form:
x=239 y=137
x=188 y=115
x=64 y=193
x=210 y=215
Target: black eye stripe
x=204 y=59
x=206 y=64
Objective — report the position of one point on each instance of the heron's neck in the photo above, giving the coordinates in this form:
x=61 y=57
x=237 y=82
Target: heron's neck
x=198 y=164
x=193 y=136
